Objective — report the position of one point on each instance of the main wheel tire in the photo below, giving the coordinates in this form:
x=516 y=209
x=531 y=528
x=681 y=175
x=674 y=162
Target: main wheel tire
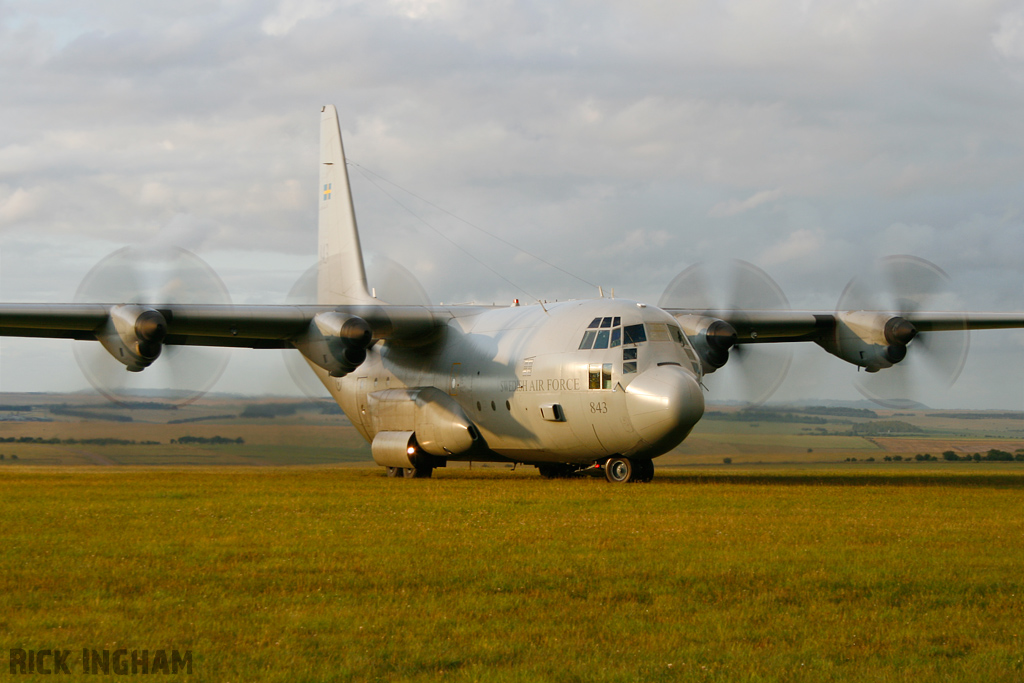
x=644 y=470
x=619 y=470
x=555 y=470
x=394 y=472
x=547 y=471
x=421 y=472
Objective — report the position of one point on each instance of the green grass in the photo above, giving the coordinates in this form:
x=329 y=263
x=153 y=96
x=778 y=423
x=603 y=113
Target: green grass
x=318 y=574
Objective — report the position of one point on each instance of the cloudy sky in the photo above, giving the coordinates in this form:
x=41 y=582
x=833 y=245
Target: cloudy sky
x=620 y=141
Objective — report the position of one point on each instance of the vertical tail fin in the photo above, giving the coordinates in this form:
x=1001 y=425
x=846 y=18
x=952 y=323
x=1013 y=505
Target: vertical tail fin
x=341 y=277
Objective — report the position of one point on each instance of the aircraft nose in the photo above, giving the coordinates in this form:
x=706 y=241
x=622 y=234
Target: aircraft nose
x=664 y=403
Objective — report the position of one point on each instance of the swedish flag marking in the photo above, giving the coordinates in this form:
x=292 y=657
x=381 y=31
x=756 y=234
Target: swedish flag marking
x=327 y=191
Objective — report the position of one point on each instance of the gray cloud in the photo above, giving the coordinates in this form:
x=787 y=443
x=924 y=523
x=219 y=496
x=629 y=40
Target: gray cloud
x=621 y=141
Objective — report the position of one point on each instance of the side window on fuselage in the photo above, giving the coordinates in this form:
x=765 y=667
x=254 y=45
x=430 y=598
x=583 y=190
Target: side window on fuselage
x=600 y=376
x=628 y=360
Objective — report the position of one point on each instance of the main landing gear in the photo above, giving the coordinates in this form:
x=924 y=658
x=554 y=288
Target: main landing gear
x=556 y=470
x=422 y=472
x=621 y=470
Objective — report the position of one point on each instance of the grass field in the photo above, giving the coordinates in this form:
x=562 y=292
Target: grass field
x=321 y=574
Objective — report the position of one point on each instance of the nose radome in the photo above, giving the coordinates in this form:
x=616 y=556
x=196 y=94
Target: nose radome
x=664 y=403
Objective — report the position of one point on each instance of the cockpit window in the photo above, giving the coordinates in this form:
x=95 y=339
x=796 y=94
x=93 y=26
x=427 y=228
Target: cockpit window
x=658 y=332
x=665 y=332
x=634 y=334
x=608 y=333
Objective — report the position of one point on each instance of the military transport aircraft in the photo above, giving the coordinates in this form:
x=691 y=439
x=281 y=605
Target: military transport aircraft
x=605 y=383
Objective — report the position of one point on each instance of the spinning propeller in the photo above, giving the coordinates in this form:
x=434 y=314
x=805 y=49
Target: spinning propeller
x=725 y=290
x=153 y=275
x=391 y=282
x=905 y=285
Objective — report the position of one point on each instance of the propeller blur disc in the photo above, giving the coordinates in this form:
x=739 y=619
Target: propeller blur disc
x=905 y=285
x=153 y=275
x=389 y=280
x=302 y=373
x=725 y=289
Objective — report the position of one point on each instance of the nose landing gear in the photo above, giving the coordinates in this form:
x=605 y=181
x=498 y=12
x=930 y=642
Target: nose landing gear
x=620 y=470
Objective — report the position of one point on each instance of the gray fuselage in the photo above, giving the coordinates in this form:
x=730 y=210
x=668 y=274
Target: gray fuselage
x=520 y=376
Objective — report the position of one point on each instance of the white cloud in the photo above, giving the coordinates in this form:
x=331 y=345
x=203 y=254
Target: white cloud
x=419 y=9
x=801 y=244
x=290 y=12
x=186 y=231
x=18 y=205
x=903 y=238
x=820 y=133
x=156 y=194
x=734 y=207
x=1008 y=39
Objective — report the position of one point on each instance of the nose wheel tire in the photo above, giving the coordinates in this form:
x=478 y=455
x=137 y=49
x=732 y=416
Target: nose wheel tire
x=394 y=472
x=619 y=470
x=622 y=470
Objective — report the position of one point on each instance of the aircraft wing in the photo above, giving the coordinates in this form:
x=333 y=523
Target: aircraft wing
x=936 y=322
x=759 y=327
x=258 y=327
x=277 y=326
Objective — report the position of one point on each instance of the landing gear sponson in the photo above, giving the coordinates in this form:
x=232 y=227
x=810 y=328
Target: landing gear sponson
x=617 y=470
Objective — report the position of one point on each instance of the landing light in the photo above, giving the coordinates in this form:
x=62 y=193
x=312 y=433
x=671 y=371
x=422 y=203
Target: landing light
x=411 y=450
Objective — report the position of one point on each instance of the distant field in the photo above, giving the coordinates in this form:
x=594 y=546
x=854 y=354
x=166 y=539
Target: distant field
x=304 y=437
x=297 y=432
x=793 y=442
x=265 y=444
x=324 y=574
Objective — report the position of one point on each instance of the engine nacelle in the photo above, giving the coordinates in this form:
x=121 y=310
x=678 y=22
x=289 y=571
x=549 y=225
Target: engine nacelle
x=133 y=335
x=395 y=449
x=870 y=339
x=711 y=338
x=336 y=342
